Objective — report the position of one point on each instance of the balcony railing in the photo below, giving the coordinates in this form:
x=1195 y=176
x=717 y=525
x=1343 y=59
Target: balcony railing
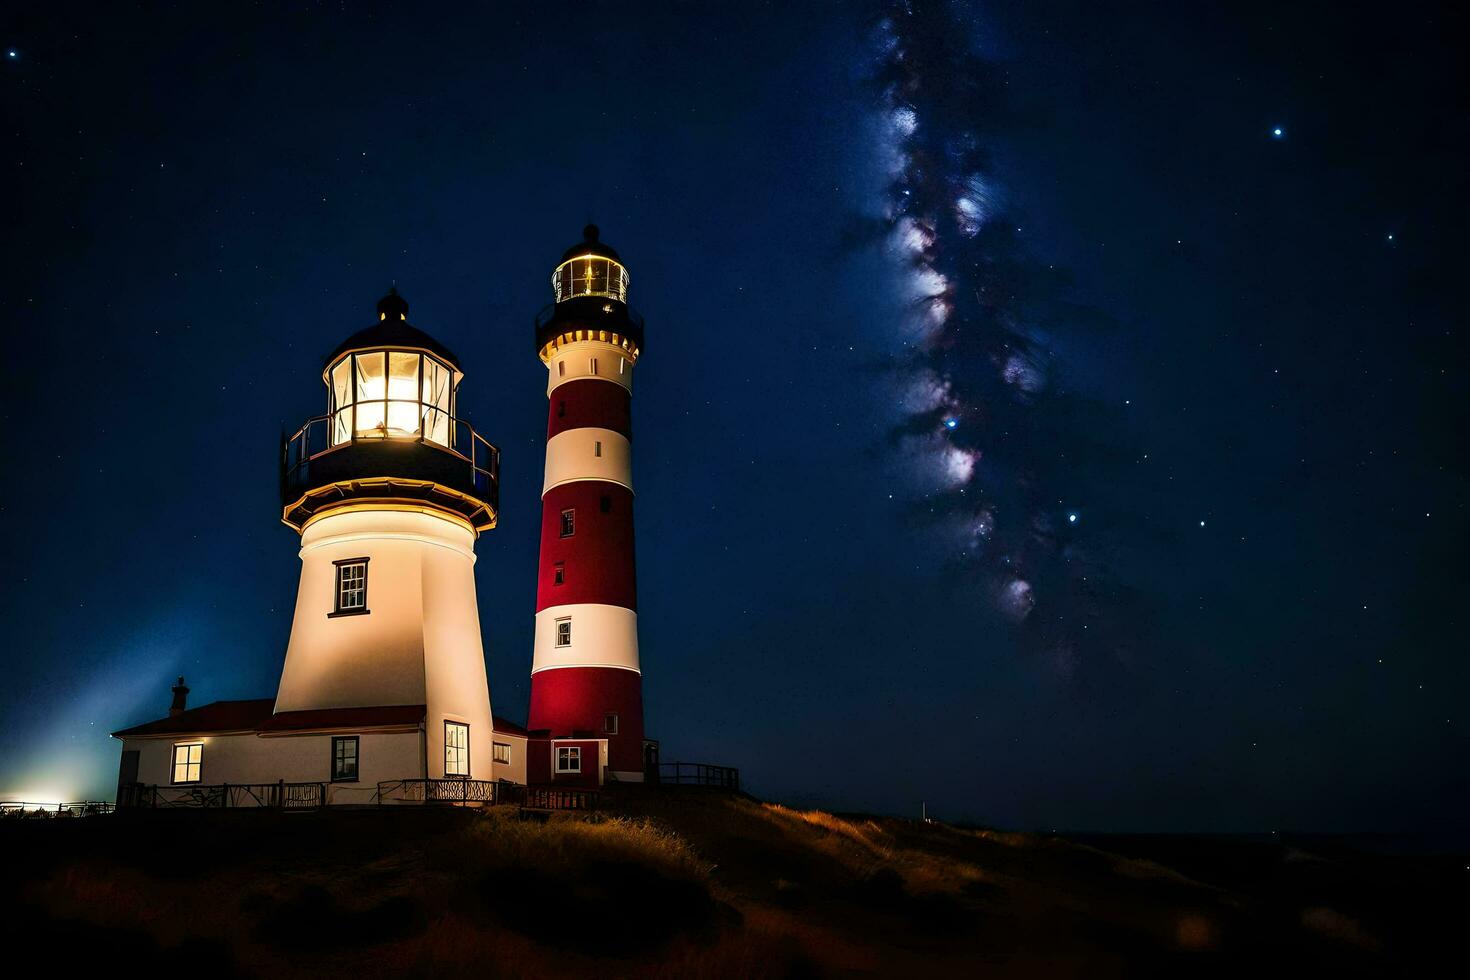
x=313 y=442
x=18 y=810
x=481 y=791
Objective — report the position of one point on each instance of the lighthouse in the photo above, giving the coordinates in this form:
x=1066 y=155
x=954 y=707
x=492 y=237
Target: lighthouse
x=586 y=680
x=389 y=491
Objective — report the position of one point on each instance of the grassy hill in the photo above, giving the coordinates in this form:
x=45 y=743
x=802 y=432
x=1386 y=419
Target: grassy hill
x=693 y=884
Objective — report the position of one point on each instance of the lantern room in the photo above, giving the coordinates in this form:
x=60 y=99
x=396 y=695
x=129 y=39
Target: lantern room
x=391 y=429
x=590 y=300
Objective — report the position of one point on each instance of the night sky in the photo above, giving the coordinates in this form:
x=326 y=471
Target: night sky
x=1093 y=456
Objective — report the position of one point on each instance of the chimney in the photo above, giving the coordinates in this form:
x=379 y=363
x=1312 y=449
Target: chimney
x=181 y=694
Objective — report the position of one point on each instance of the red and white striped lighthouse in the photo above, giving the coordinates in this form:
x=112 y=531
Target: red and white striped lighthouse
x=585 y=675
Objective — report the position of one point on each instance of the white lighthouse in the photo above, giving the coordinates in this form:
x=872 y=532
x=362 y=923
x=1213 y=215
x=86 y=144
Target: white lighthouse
x=384 y=680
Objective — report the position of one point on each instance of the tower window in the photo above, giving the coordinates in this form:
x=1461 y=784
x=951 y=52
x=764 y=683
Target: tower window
x=564 y=632
x=561 y=369
x=568 y=523
x=351 y=592
x=569 y=758
x=559 y=574
x=605 y=504
x=502 y=753
x=592 y=365
x=622 y=364
x=456 y=749
x=188 y=762
x=561 y=409
x=610 y=723
x=597 y=448
x=344 y=759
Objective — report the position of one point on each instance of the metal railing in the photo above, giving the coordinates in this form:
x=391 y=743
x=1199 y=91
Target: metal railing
x=481 y=791
x=254 y=796
x=559 y=798
x=314 y=440
x=16 y=809
x=698 y=774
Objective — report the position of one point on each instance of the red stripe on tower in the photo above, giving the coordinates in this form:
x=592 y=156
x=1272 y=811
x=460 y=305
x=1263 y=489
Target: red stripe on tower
x=586 y=680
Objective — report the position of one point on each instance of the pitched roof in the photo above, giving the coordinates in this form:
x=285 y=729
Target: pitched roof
x=257 y=716
x=219 y=716
x=380 y=716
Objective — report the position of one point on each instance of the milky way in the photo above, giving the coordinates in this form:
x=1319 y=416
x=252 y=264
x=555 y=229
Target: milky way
x=994 y=437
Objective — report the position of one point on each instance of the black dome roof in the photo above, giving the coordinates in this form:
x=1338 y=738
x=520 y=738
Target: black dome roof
x=393 y=330
x=589 y=245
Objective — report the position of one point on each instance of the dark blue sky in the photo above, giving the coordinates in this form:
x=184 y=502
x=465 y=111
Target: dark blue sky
x=202 y=204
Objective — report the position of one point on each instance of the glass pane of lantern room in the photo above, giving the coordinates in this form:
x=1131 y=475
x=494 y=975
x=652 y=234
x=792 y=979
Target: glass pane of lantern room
x=372 y=387
x=403 y=392
x=437 y=379
x=342 y=396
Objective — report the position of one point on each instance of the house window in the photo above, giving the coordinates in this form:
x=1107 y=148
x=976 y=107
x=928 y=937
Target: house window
x=188 y=762
x=568 y=758
x=456 y=749
x=559 y=574
x=606 y=504
x=344 y=759
x=502 y=753
x=597 y=448
x=351 y=593
x=568 y=523
x=610 y=723
x=564 y=632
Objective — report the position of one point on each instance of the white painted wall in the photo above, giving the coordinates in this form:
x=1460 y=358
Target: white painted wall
x=573 y=455
x=420 y=641
x=249 y=758
x=570 y=362
x=602 y=636
x=516 y=770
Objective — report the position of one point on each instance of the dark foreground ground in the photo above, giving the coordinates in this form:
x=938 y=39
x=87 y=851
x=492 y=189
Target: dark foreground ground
x=689 y=884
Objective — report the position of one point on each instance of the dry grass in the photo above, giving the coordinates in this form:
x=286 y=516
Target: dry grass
x=676 y=885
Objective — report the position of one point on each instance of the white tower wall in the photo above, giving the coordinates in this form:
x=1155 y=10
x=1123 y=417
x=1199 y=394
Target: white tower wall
x=419 y=642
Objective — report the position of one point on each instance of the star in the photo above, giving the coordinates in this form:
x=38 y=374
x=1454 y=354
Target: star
x=1071 y=518
x=12 y=54
x=951 y=423
x=1278 y=132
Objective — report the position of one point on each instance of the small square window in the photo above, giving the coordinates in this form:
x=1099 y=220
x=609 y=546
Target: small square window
x=564 y=632
x=351 y=587
x=344 y=759
x=188 y=762
x=568 y=523
x=606 y=504
x=610 y=723
x=502 y=753
x=559 y=574
x=568 y=758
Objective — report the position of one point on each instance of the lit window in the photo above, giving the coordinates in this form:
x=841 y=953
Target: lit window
x=559 y=574
x=456 y=749
x=564 y=632
x=351 y=596
x=344 y=759
x=568 y=758
x=397 y=394
x=610 y=723
x=622 y=364
x=597 y=448
x=188 y=762
x=568 y=523
x=502 y=753
x=590 y=275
